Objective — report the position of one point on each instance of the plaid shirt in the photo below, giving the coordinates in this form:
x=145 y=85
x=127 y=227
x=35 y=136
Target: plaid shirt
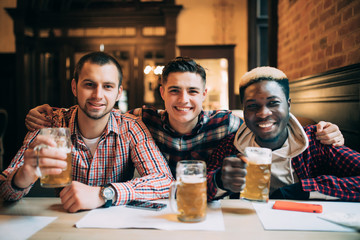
x=333 y=171
x=211 y=128
x=124 y=138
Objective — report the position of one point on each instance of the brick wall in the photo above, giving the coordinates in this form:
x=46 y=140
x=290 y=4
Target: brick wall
x=317 y=35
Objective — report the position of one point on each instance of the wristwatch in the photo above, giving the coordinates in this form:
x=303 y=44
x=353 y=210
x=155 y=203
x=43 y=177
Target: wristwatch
x=107 y=193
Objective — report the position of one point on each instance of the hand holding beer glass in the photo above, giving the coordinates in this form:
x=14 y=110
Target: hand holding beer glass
x=190 y=191
x=257 y=180
x=61 y=137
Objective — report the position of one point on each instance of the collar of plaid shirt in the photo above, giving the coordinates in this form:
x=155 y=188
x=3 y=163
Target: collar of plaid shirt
x=166 y=124
x=74 y=128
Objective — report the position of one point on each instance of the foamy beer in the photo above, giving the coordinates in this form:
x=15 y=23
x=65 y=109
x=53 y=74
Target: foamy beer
x=258 y=174
x=190 y=191
x=61 y=136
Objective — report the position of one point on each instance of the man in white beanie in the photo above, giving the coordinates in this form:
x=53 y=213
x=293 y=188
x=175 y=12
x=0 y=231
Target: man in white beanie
x=302 y=167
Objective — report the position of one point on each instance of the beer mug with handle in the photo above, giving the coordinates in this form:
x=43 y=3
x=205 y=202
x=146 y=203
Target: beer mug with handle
x=188 y=193
x=61 y=136
x=257 y=180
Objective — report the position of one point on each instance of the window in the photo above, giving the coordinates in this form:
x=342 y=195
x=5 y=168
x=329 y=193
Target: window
x=262 y=33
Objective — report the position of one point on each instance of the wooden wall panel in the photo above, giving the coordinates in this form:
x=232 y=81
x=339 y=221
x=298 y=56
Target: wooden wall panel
x=331 y=96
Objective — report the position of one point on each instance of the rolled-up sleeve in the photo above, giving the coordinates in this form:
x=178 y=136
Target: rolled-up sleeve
x=8 y=191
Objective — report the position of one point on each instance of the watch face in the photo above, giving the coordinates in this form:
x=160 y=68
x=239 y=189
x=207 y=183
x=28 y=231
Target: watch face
x=108 y=193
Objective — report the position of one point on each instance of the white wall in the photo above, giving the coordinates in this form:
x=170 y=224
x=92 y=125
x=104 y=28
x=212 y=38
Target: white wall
x=215 y=22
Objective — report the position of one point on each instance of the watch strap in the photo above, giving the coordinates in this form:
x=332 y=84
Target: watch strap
x=108 y=202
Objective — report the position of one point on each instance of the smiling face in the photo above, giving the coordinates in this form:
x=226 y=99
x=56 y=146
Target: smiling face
x=266 y=113
x=183 y=94
x=97 y=89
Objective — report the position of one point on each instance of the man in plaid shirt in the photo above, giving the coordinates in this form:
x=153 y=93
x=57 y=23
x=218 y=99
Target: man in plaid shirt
x=106 y=146
x=184 y=130
x=302 y=167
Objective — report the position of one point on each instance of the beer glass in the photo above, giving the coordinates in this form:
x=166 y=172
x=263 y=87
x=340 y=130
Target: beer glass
x=190 y=191
x=61 y=136
x=257 y=180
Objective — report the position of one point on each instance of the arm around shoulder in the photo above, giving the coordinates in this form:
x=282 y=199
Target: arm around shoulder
x=333 y=171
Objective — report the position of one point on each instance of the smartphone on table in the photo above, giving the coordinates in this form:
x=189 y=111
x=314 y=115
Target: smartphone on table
x=147 y=205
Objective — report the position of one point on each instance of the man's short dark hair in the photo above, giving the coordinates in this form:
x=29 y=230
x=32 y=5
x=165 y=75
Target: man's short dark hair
x=183 y=64
x=99 y=58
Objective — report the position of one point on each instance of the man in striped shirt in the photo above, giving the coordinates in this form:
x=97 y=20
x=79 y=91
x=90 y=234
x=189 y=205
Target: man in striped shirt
x=106 y=146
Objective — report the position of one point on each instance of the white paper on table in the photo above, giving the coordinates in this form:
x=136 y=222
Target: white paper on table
x=273 y=219
x=351 y=220
x=22 y=227
x=125 y=217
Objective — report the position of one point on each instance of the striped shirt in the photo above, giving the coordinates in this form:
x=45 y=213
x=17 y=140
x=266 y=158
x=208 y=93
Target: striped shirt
x=211 y=128
x=125 y=143
x=333 y=171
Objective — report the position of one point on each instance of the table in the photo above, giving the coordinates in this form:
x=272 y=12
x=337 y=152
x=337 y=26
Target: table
x=241 y=222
